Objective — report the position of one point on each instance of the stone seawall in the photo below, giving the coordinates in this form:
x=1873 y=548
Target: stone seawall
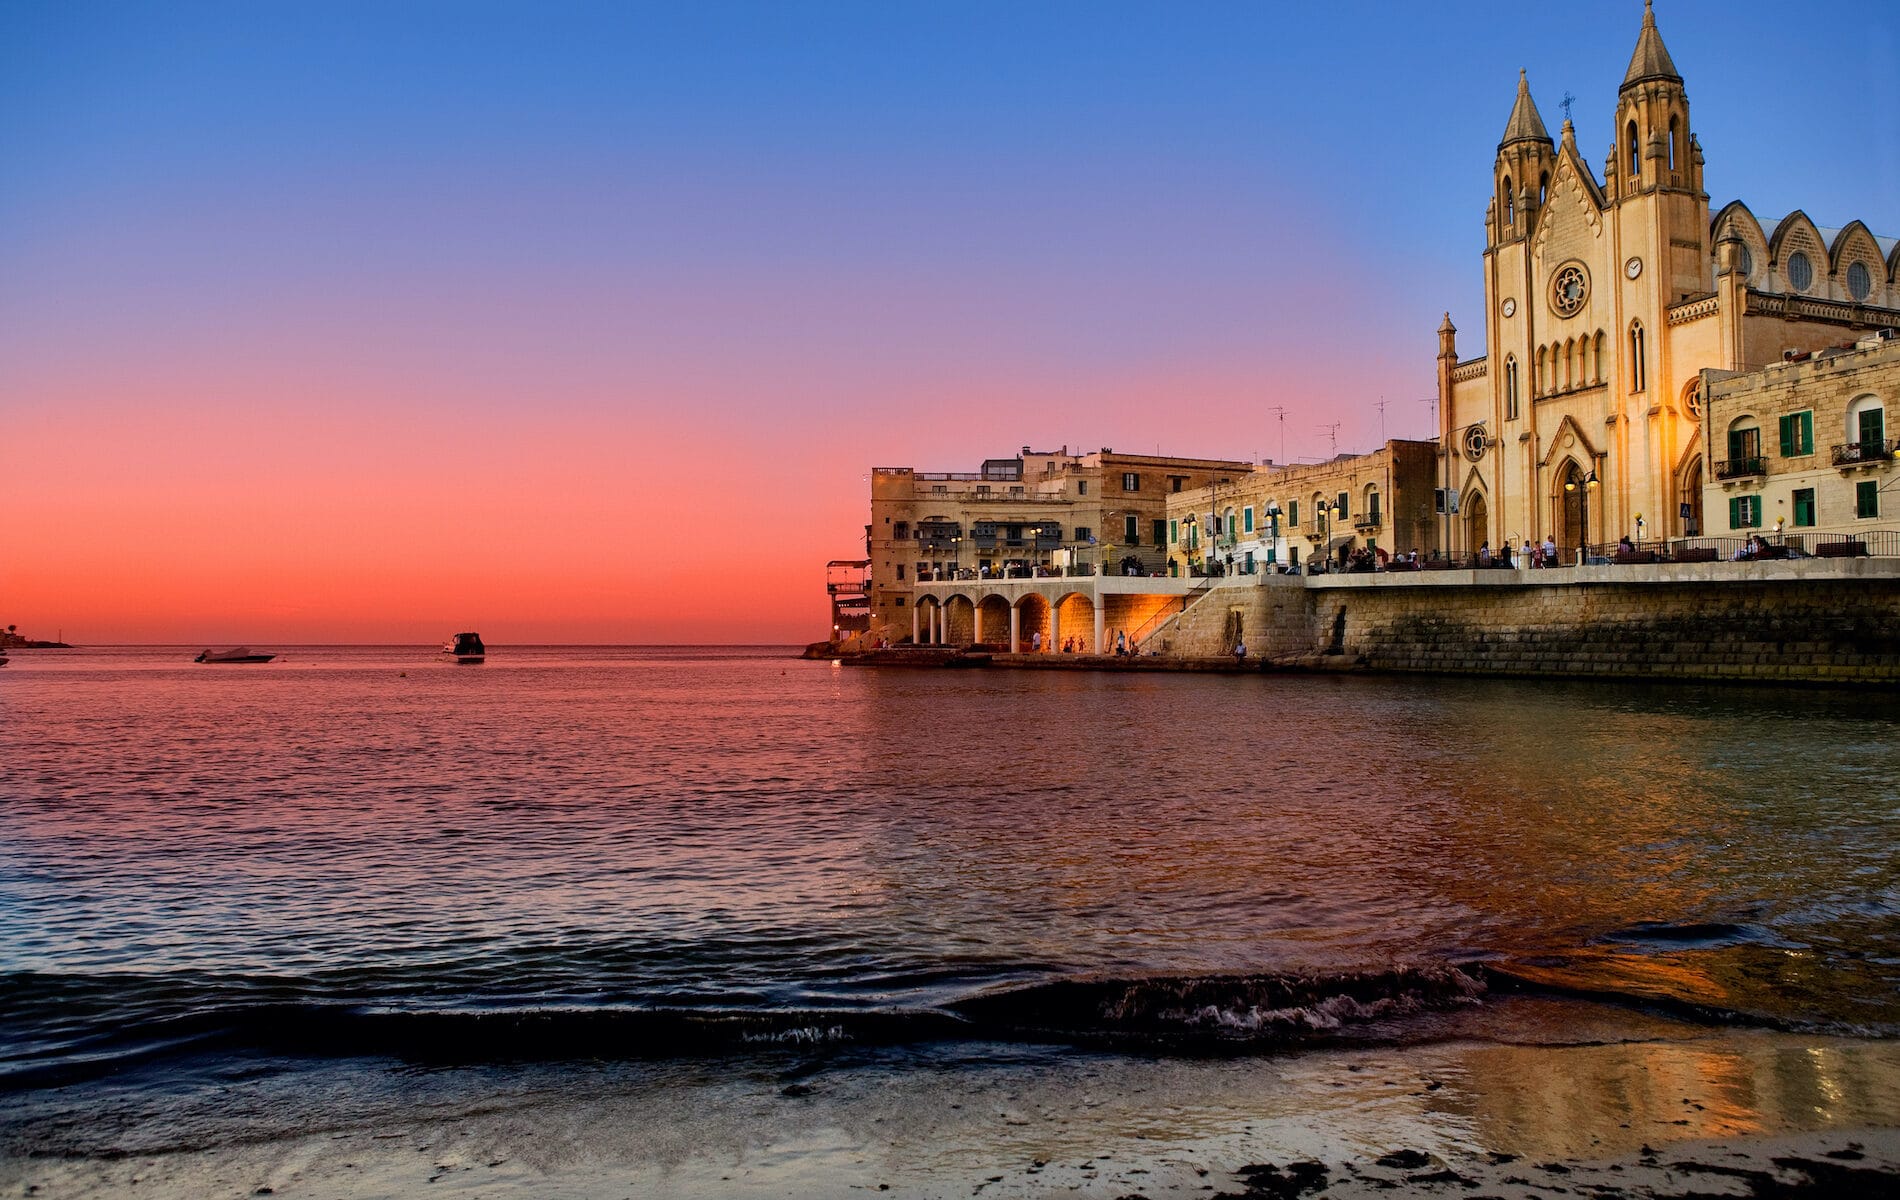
x=1807 y=621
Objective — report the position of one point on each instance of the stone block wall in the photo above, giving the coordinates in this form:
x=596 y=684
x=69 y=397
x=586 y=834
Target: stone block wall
x=1773 y=622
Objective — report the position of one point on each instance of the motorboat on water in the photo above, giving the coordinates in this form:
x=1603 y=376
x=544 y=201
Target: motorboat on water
x=239 y=654
x=465 y=648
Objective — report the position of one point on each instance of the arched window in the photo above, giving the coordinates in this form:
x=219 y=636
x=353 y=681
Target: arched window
x=1543 y=187
x=1675 y=136
x=1859 y=282
x=1867 y=428
x=1800 y=271
x=1599 y=377
x=1570 y=359
x=1635 y=154
x=1510 y=205
x=1748 y=261
x=1371 y=506
x=1510 y=387
x=1541 y=384
x=1638 y=377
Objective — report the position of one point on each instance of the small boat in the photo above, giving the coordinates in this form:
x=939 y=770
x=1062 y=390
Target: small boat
x=465 y=648
x=240 y=654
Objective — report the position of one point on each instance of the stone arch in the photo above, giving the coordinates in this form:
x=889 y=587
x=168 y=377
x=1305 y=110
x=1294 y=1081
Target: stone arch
x=1735 y=219
x=991 y=614
x=1573 y=500
x=1855 y=246
x=1864 y=412
x=1475 y=515
x=1075 y=623
x=1034 y=615
x=1570 y=359
x=1638 y=362
x=1797 y=235
x=959 y=619
x=1688 y=479
x=1510 y=206
x=924 y=614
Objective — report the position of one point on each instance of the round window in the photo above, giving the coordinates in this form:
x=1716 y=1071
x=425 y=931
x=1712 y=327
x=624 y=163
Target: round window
x=1800 y=271
x=1568 y=290
x=1859 y=282
x=1692 y=398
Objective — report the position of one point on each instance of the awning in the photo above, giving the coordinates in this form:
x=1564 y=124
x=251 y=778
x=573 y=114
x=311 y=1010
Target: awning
x=1340 y=540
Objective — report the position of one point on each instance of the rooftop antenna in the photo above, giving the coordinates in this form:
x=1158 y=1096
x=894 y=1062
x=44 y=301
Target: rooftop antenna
x=1280 y=410
x=1433 y=401
x=1380 y=404
x=1332 y=431
x=1568 y=100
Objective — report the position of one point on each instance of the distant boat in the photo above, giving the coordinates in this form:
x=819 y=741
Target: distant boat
x=465 y=648
x=241 y=654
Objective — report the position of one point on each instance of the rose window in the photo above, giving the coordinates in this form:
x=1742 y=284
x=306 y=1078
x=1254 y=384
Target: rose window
x=1569 y=290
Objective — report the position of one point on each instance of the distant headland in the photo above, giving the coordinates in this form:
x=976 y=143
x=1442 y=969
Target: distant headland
x=10 y=639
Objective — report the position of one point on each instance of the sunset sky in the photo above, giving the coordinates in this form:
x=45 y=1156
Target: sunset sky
x=576 y=322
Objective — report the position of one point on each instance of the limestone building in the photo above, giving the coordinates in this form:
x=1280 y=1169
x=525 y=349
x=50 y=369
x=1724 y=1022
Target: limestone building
x=1806 y=446
x=1288 y=515
x=1036 y=512
x=1605 y=298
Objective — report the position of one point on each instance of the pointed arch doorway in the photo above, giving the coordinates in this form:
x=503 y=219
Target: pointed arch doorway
x=1573 y=506
x=1477 y=521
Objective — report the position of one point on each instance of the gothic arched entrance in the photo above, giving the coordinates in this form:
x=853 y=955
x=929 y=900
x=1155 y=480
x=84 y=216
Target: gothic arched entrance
x=1573 y=506
x=1477 y=521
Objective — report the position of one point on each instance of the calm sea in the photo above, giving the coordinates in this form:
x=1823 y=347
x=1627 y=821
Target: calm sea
x=675 y=853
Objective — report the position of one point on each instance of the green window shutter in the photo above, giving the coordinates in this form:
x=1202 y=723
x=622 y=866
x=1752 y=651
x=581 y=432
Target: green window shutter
x=1804 y=507
x=1787 y=436
x=1867 y=498
x=1342 y=506
x=1872 y=426
x=1807 y=432
x=1174 y=532
x=1734 y=512
x=1247 y=518
x=1754 y=512
x=1292 y=512
x=1734 y=443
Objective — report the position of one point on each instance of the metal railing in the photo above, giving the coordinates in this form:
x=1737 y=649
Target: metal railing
x=1739 y=468
x=1859 y=452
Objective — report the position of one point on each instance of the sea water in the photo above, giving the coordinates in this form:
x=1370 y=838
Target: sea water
x=358 y=885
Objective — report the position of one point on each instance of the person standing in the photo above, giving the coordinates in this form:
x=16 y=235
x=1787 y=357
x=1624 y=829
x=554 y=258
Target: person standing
x=1035 y=642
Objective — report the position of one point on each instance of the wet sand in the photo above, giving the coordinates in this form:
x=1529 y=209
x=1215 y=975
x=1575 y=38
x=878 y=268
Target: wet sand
x=1726 y=1114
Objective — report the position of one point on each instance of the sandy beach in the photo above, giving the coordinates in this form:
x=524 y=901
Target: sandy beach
x=1727 y=1114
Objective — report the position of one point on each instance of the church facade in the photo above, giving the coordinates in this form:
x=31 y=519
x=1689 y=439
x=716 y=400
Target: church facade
x=1605 y=301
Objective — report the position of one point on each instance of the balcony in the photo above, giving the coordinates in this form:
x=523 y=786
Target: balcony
x=1741 y=468
x=1368 y=522
x=1854 y=453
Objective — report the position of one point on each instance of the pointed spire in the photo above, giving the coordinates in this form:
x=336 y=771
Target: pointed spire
x=1651 y=60
x=1525 y=125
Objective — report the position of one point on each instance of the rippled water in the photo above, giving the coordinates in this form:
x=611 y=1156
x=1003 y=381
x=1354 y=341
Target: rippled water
x=650 y=852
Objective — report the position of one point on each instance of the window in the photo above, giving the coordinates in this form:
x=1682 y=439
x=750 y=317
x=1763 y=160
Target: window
x=1638 y=378
x=982 y=489
x=1131 y=482
x=900 y=570
x=1174 y=532
x=1744 y=442
x=1246 y=519
x=1803 y=507
x=1292 y=512
x=1870 y=424
x=1675 y=135
x=1634 y=152
x=1015 y=489
x=1800 y=272
x=1160 y=533
x=1867 y=498
x=1372 y=506
x=1510 y=206
x=1081 y=487
x=1859 y=283
x=1748 y=261
x=1797 y=434
x=1131 y=530
x=1744 y=512
x=938 y=489
x=901 y=530
x=1510 y=388
x=1084 y=534
x=1339 y=508
x=1177 y=482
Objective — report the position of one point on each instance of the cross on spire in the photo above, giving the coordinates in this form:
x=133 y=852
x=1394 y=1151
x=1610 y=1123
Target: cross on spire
x=1567 y=102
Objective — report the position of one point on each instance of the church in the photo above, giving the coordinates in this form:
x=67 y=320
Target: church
x=1606 y=300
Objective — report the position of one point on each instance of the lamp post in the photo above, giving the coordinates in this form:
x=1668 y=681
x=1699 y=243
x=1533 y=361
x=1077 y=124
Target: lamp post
x=1325 y=510
x=1589 y=485
x=1273 y=529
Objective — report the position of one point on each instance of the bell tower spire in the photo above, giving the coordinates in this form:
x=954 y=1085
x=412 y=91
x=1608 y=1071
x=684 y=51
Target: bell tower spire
x=1655 y=147
x=1522 y=172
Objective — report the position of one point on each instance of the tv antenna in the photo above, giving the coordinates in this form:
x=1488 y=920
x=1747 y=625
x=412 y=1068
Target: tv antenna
x=1332 y=431
x=1433 y=401
x=1280 y=411
x=1380 y=404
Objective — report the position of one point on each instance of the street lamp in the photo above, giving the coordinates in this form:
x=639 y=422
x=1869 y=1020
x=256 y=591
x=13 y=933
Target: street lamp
x=1589 y=484
x=1325 y=511
x=1273 y=529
